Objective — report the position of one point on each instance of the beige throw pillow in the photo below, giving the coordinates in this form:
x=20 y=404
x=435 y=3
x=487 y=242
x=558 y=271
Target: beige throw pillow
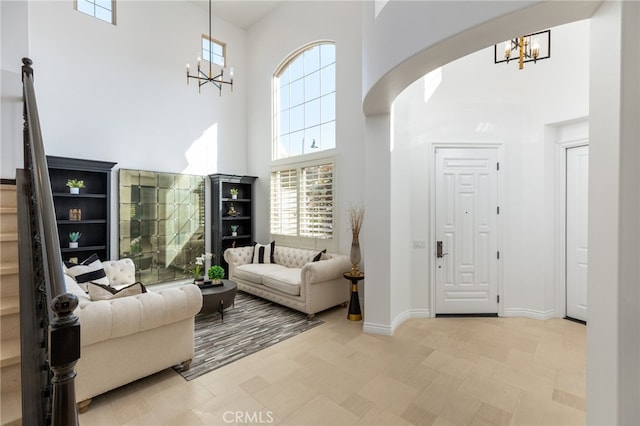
x=105 y=292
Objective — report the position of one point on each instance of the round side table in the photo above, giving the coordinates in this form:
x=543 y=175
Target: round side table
x=354 y=304
x=218 y=298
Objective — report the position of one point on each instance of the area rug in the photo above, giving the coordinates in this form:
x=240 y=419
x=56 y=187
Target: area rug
x=251 y=325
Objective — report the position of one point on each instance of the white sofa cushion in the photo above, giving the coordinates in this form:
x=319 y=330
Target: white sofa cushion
x=286 y=280
x=254 y=272
x=120 y=272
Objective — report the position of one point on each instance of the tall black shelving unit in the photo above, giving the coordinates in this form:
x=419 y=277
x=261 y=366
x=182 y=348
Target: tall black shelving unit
x=93 y=203
x=228 y=211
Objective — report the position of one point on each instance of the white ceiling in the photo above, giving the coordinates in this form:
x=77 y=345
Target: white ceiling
x=243 y=13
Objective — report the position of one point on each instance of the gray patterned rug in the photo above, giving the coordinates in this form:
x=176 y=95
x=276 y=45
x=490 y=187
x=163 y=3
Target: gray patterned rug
x=250 y=326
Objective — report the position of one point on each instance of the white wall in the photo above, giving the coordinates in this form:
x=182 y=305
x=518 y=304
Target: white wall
x=613 y=345
x=478 y=101
x=119 y=93
x=14 y=42
x=292 y=25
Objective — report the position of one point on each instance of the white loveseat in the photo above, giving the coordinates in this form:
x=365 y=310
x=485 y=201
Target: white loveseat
x=294 y=280
x=125 y=339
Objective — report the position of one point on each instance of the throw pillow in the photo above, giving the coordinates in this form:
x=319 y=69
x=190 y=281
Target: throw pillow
x=90 y=270
x=318 y=256
x=263 y=253
x=105 y=292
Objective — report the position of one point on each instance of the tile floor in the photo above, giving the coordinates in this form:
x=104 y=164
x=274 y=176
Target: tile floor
x=445 y=371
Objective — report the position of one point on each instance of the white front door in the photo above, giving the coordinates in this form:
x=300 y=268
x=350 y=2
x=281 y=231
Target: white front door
x=577 y=237
x=466 y=217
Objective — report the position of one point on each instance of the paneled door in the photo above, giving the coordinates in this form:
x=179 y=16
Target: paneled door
x=577 y=235
x=466 y=214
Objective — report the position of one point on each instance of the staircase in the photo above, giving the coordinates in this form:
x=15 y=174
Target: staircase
x=10 y=399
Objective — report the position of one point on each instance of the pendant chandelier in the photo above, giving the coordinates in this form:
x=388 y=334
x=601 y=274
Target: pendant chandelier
x=530 y=48
x=203 y=77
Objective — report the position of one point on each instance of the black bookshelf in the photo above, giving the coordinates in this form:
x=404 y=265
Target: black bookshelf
x=229 y=213
x=93 y=204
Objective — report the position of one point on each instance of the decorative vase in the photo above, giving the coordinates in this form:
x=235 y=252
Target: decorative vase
x=234 y=196
x=355 y=256
x=199 y=281
x=73 y=244
x=74 y=190
x=215 y=281
x=234 y=233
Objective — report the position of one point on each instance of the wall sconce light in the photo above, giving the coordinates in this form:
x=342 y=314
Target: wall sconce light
x=528 y=48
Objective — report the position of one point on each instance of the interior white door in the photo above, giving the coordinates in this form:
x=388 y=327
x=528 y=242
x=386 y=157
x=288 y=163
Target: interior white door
x=466 y=214
x=577 y=247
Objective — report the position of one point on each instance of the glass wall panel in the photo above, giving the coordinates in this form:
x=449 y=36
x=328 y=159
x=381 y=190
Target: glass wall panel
x=161 y=223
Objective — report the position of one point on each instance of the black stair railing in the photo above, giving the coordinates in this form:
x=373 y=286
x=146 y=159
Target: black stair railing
x=49 y=330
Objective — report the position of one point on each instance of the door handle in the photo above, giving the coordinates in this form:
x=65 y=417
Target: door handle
x=439 y=252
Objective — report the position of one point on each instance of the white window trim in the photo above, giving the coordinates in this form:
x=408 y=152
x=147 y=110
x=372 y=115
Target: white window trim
x=307 y=242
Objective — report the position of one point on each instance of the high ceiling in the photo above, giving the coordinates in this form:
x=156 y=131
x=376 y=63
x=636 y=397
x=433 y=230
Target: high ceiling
x=243 y=13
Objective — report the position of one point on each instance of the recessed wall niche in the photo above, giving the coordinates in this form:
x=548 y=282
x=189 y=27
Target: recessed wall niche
x=161 y=223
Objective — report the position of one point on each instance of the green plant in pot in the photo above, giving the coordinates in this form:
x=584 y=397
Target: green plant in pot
x=234 y=193
x=198 y=266
x=216 y=273
x=73 y=239
x=75 y=185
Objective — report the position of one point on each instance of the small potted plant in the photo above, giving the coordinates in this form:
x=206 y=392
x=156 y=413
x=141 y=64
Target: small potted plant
x=75 y=185
x=73 y=239
x=234 y=193
x=234 y=230
x=216 y=273
x=198 y=267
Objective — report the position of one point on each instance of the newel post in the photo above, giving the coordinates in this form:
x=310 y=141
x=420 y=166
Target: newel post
x=64 y=352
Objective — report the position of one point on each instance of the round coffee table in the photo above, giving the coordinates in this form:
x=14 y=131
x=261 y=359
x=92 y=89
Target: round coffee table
x=219 y=298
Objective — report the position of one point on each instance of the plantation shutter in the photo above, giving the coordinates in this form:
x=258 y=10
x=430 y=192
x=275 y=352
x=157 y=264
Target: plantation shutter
x=316 y=202
x=284 y=202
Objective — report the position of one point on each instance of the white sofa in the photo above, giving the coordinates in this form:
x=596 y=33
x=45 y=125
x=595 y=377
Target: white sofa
x=294 y=280
x=125 y=339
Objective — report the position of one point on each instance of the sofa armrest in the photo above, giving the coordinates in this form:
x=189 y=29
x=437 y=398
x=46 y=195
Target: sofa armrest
x=106 y=319
x=325 y=270
x=237 y=256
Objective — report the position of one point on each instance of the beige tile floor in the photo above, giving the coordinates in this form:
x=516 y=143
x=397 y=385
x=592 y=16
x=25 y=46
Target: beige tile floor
x=445 y=371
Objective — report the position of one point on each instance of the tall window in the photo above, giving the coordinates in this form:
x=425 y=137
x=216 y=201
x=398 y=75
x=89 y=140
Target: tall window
x=304 y=97
x=101 y=9
x=213 y=50
x=302 y=201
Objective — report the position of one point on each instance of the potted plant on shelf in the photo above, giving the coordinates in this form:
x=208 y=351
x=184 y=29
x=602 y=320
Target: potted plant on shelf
x=216 y=273
x=234 y=193
x=75 y=185
x=234 y=230
x=73 y=239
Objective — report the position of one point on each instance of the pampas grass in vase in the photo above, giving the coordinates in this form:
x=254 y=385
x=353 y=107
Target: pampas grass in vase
x=356 y=216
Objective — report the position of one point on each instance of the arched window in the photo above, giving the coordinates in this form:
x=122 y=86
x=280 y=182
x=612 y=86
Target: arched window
x=304 y=95
x=304 y=122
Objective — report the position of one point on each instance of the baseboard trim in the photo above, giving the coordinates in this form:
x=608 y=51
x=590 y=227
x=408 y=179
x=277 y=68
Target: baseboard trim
x=528 y=313
x=384 y=330
x=467 y=315
x=388 y=330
